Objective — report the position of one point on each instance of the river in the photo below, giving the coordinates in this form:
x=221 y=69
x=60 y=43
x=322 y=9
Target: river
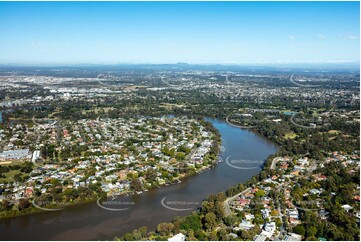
x=90 y=222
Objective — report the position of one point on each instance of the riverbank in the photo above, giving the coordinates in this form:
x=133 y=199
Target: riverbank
x=36 y=210
x=24 y=206
x=219 y=201
x=89 y=222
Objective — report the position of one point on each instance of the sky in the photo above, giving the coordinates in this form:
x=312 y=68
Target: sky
x=171 y=32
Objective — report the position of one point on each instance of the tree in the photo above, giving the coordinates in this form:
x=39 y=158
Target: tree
x=136 y=234
x=278 y=222
x=260 y=193
x=27 y=167
x=214 y=236
x=191 y=222
x=18 y=177
x=143 y=231
x=223 y=235
x=191 y=236
x=200 y=235
x=151 y=174
x=299 y=229
x=274 y=213
x=210 y=221
x=135 y=184
x=128 y=237
x=258 y=219
x=23 y=204
x=219 y=210
x=311 y=231
x=71 y=194
x=6 y=205
x=44 y=200
x=231 y=220
x=207 y=207
x=165 y=228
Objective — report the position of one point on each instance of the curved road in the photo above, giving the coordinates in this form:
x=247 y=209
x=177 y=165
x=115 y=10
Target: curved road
x=238 y=126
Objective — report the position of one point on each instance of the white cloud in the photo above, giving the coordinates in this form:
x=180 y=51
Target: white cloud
x=352 y=37
x=321 y=36
x=349 y=36
x=40 y=45
x=292 y=37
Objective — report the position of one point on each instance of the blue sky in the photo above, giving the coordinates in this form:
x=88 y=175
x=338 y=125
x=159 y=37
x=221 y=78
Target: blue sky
x=170 y=32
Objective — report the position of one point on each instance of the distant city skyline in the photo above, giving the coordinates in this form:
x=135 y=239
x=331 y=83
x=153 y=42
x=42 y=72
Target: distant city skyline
x=170 y=32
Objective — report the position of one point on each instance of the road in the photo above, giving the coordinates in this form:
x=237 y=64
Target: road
x=238 y=126
x=165 y=82
x=302 y=126
x=227 y=209
x=274 y=162
x=301 y=85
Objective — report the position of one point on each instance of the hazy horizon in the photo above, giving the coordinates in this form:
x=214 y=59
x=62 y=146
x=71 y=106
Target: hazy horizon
x=328 y=65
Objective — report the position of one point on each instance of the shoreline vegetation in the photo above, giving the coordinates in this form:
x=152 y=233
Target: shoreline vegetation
x=26 y=207
x=203 y=223
x=34 y=210
x=214 y=203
